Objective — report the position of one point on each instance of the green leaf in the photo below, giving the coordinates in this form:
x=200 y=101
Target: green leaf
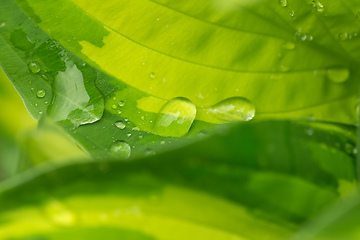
x=107 y=61
x=339 y=222
x=255 y=181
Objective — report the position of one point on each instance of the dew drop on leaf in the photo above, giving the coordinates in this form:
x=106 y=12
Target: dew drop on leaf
x=34 y=67
x=283 y=3
x=120 y=149
x=120 y=125
x=41 y=93
x=232 y=110
x=152 y=75
x=338 y=75
x=121 y=103
x=289 y=45
x=175 y=118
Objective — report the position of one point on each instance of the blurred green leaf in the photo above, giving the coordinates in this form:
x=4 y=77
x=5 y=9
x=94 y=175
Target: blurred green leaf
x=256 y=181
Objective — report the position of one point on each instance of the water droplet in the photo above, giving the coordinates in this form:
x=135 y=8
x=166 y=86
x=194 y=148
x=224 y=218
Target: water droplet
x=152 y=75
x=141 y=136
x=289 y=45
x=232 y=110
x=128 y=134
x=310 y=131
x=120 y=125
x=119 y=112
x=121 y=103
x=349 y=148
x=149 y=151
x=36 y=104
x=41 y=93
x=175 y=118
x=162 y=142
x=283 y=3
x=44 y=77
x=317 y=5
x=284 y=68
x=142 y=118
x=338 y=75
x=120 y=149
x=32 y=89
x=34 y=67
x=59 y=214
x=343 y=36
x=114 y=106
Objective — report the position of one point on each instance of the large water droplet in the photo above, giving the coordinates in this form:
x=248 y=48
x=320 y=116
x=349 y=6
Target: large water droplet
x=283 y=3
x=59 y=214
x=175 y=118
x=34 y=67
x=120 y=125
x=338 y=75
x=232 y=110
x=120 y=149
x=41 y=93
x=76 y=99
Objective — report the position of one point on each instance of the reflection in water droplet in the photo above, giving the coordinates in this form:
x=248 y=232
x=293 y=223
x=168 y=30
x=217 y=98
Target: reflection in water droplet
x=41 y=93
x=87 y=103
x=283 y=3
x=175 y=118
x=34 y=67
x=338 y=75
x=120 y=149
x=232 y=110
x=120 y=125
x=59 y=214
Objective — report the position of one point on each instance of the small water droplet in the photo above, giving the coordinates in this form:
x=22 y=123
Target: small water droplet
x=36 y=104
x=152 y=75
x=338 y=75
x=317 y=5
x=32 y=89
x=310 y=131
x=142 y=118
x=289 y=46
x=120 y=125
x=34 y=67
x=149 y=151
x=175 y=118
x=283 y=3
x=41 y=93
x=120 y=149
x=162 y=142
x=284 y=68
x=343 y=36
x=44 y=77
x=128 y=134
x=349 y=148
x=141 y=136
x=232 y=110
x=119 y=112
x=121 y=103
x=114 y=106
